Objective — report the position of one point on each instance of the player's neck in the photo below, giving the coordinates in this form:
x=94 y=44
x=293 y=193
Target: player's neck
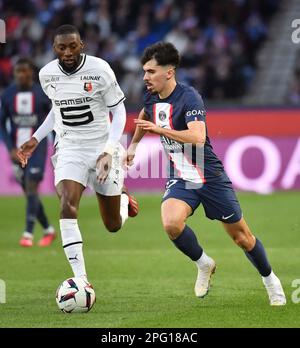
x=24 y=87
x=167 y=90
x=70 y=70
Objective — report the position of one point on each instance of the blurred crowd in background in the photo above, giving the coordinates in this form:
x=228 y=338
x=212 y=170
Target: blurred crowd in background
x=293 y=95
x=218 y=40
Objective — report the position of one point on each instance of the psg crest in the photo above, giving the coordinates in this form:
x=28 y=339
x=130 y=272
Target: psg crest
x=162 y=115
x=88 y=86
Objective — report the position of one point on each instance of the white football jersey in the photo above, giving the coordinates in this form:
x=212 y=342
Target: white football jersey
x=81 y=99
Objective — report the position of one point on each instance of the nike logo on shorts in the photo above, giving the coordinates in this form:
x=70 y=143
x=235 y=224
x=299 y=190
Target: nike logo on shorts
x=227 y=217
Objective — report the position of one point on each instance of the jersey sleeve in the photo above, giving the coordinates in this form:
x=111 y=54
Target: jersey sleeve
x=111 y=91
x=46 y=102
x=194 y=107
x=43 y=81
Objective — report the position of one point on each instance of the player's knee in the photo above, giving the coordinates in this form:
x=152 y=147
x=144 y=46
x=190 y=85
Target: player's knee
x=31 y=188
x=173 y=227
x=244 y=240
x=68 y=210
x=113 y=226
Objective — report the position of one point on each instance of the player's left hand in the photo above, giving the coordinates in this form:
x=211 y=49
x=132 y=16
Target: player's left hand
x=103 y=167
x=148 y=126
x=14 y=156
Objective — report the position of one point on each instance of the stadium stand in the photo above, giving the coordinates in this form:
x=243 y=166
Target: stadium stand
x=218 y=40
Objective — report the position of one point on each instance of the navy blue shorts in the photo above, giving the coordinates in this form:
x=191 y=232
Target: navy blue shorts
x=218 y=198
x=35 y=168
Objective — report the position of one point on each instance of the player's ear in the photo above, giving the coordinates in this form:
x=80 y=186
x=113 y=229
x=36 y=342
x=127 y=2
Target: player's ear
x=170 y=73
x=81 y=45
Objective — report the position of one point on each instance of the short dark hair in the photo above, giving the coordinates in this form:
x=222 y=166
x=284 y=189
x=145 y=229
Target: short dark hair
x=25 y=60
x=164 y=53
x=66 y=29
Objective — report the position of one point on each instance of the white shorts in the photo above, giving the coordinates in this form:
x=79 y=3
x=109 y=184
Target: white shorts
x=77 y=162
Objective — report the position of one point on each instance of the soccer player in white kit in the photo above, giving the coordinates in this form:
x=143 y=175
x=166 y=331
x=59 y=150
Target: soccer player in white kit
x=83 y=89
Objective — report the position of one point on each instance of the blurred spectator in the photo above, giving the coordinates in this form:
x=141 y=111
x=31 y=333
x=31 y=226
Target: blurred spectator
x=293 y=96
x=218 y=39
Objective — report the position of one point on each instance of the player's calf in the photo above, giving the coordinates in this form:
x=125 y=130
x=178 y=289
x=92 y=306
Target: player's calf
x=112 y=225
x=241 y=234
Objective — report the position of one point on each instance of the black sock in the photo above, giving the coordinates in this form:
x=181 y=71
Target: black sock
x=41 y=216
x=258 y=258
x=188 y=244
x=31 y=211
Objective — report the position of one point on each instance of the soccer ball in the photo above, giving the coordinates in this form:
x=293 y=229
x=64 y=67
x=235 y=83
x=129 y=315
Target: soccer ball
x=75 y=295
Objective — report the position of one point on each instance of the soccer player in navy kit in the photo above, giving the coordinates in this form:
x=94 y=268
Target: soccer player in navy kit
x=196 y=175
x=24 y=107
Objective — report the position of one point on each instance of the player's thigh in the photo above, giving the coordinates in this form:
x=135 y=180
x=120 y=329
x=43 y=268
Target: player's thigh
x=19 y=174
x=174 y=213
x=220 y=202
x=35 y=169
x=109 y=207
x=33 y=176
x=71 y=164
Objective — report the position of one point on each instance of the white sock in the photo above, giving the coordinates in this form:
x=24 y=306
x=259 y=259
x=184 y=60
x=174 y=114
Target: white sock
x=49 y=230
x=203 y=261
x=124 y=207
x=270 y=278
x=72 y=243
x=27 y=235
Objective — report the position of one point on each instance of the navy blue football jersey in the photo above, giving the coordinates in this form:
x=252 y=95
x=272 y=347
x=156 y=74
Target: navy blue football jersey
x=21 y=113
x=189 y=162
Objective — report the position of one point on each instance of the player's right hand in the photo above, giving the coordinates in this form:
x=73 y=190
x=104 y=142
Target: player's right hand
x=128 y=160
x=26 y=150
x=103 y=166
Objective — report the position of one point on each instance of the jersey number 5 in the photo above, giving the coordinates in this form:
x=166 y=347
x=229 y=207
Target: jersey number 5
x=76 y=115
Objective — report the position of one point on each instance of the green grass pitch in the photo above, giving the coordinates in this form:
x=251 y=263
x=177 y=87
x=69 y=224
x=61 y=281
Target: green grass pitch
x=141 y=280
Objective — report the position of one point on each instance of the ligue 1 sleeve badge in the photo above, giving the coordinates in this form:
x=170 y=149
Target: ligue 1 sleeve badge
x=87 y=86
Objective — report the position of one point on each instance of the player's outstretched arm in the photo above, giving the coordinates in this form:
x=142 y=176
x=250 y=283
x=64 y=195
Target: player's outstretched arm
x=137 y=137
x=195 y=134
